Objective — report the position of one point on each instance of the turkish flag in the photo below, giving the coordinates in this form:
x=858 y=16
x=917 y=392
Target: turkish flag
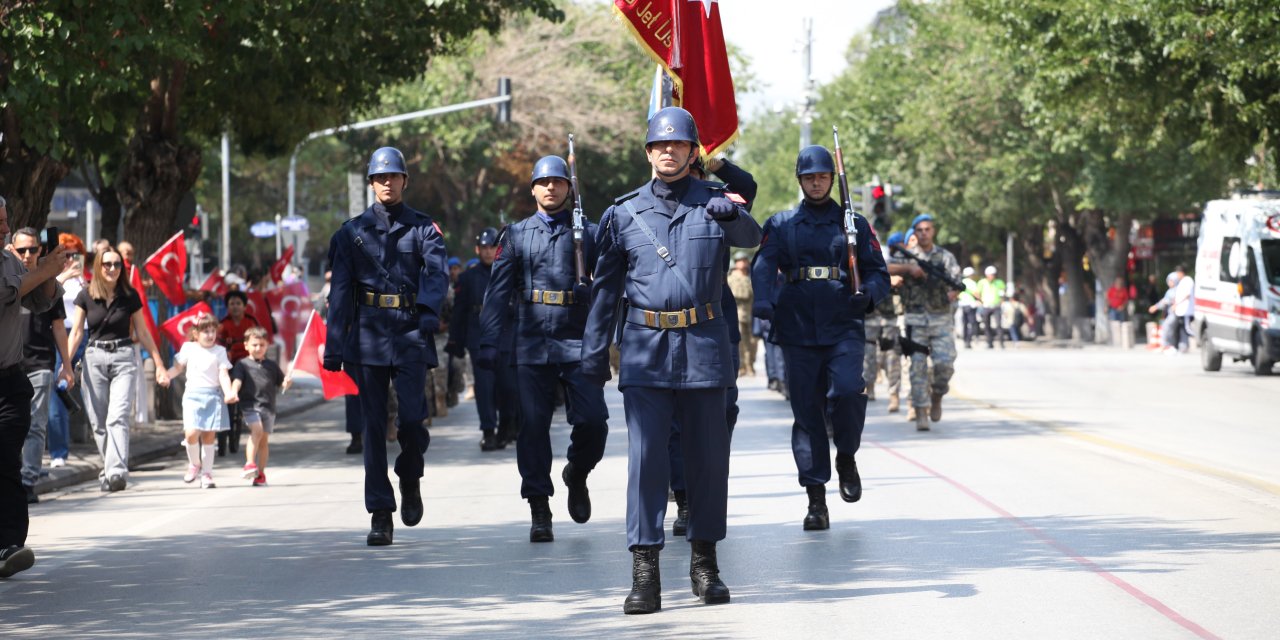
x=261 y=311
x=176 y=328
x=277 y=269
x=215 y=283
x=135 y=281
x=168 y=268
x=686 y=39
x=290 y=307
x=311 y=354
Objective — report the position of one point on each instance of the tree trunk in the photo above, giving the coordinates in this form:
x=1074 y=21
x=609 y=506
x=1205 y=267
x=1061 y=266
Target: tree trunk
x=156 y=174
x=1075 y=308
x=27 y=179
x=1108 y=254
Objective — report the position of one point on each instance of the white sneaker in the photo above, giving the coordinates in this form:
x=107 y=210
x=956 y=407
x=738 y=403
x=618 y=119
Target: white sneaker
x=206 y=481
x=58 y=462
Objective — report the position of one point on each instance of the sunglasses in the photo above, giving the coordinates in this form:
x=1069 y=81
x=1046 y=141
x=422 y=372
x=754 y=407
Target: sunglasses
x=111 y=265
x=26 y=250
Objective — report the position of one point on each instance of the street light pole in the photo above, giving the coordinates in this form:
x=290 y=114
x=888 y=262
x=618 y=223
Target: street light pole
x=426 y=113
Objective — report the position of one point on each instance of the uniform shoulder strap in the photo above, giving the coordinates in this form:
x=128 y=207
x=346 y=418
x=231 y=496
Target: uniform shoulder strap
x=662 y=251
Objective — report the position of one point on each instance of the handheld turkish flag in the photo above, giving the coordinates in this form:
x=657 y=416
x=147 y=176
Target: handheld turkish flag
x=135 y=281
x=215 y=284
x=176 y=328
x=311 y=353
x=290 y=307
x=277 y=269
x=686 y=39
x=168 y=268
x=257 y=307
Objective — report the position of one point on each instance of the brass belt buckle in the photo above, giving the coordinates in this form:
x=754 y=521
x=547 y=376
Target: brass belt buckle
x=819 y=273
x=388 y=301
x=672 y=320
x=553 y=297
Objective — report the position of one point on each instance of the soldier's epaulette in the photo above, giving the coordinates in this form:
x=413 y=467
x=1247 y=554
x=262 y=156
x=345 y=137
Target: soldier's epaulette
x=622 y=199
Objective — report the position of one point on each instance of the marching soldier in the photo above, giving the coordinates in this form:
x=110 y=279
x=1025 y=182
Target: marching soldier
x=883 y=349
x=464 y=337
x=664 y=246
x=389 y=284
x=929 y=314
x=818 y=320
x=535 y=266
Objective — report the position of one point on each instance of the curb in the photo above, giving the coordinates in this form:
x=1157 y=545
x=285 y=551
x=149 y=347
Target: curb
x=141 y=451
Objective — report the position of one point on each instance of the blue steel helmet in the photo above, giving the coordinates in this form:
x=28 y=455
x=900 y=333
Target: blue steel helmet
x=487 y=238
x=672 y=123
x=924 y=217
x=897 y=237
x=814 y=159
x=387 y=160
x=550 y=167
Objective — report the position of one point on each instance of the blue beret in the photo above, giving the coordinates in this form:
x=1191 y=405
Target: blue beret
x=924 y=217
x=455 y=262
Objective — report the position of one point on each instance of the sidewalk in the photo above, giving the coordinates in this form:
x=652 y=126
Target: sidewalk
x=159 y=439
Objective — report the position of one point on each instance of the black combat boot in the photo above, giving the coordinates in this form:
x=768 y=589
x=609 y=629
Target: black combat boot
x=850 y=481
x=540 y=531
x=410 y=502
x=681 y=525
x=506 y=430
x=646 y=581
x=489 y=441
x=357 y=444
x=817 y=518
x=579 y=499
x=705 y=573
x=380 y=531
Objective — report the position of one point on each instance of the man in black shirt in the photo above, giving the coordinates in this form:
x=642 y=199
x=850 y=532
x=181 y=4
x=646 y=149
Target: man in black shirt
x=44 y=333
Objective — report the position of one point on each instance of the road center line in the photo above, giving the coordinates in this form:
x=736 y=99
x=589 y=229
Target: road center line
x=1061 y=547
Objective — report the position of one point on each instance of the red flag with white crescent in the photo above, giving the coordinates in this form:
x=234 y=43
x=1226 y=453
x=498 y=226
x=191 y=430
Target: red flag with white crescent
x=685 y=37
x=290 y=307
x=277 y=269
x=215 y=283
x=176 y=328
x=168 y=268
x=135 y=281
x=311 y=354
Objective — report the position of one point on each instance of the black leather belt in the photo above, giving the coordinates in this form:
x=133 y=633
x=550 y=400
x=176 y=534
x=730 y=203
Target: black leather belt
x=679 y=319
x=372 y=298
x=813 y=273
x=560 y=298
x=111 y=346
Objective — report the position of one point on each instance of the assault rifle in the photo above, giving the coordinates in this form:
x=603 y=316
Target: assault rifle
x=930 y=269
x=579 y=224
x=850 y=219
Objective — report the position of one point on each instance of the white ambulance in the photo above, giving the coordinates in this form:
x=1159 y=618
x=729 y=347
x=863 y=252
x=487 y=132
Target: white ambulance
x=1237 y=304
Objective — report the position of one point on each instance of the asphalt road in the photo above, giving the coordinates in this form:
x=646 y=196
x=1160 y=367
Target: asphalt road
x=1066 y=494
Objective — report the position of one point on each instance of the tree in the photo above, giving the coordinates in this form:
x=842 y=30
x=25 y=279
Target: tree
x=167 y=78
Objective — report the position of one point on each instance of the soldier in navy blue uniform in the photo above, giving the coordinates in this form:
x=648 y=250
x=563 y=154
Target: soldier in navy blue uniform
x=389 y=284
x=535 y=270
x=664 y=247
x=464 y=337
x=817 y=319
x=740 y=181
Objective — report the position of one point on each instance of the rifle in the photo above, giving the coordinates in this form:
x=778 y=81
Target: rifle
x=850 y=220
x=930 y=269
x=579 y=225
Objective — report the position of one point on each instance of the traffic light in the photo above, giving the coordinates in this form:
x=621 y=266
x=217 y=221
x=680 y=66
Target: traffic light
x=881 y=203
x=193 y=230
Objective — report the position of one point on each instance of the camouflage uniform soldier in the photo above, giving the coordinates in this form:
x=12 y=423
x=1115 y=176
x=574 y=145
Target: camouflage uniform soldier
x=929 y=312
x=883 y=352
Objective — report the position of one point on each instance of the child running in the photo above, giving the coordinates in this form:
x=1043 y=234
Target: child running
x=204 y=411
x=258 y=381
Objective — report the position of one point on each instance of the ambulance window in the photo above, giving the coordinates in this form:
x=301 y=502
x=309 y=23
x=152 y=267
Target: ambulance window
x=1271 y=261
x=1229 y=267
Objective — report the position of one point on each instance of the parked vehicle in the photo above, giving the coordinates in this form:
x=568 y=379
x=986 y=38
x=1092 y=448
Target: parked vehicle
x=1237 y=305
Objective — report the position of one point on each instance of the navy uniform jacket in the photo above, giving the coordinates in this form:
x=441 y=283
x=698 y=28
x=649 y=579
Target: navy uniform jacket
x=815 y=312
x=366 y=335
x=741 y=182
x=532 y=256
x=468 y=299
x=696 y=357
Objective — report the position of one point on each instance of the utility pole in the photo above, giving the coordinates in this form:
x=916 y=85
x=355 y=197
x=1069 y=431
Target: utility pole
x=226 y=203
x=810 y=99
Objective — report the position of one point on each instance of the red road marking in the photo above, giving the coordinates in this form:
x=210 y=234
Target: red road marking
x=1049 y=540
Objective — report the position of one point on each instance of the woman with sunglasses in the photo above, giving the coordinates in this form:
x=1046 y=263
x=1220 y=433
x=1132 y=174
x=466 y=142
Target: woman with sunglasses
x=112 y=309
